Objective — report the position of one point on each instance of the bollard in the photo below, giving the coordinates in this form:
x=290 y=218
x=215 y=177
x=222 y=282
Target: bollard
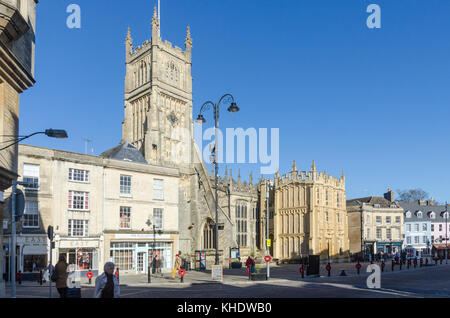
x=328 y=268
x=358 y=267
x=149 y=277
x=90 y=281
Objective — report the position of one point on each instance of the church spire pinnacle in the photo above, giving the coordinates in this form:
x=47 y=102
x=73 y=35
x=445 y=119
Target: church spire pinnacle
x=294 y=166
x=313 y=167
x=155 y=24
x=129 y=42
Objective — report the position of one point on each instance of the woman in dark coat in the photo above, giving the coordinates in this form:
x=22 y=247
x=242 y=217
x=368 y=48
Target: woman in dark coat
x=61 y=271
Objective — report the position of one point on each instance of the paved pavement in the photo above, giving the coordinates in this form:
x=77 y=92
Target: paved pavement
x=285 y=282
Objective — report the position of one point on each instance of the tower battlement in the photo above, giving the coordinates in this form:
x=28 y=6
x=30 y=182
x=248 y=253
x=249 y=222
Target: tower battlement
x=312 y=176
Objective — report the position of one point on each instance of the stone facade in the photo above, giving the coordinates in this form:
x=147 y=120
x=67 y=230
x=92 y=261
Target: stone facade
x=17 y=41
x=310 y=216
x=116 y=215
x=375 y=225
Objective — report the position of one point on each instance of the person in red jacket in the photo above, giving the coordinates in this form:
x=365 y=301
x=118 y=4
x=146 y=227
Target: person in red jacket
x=250 y=263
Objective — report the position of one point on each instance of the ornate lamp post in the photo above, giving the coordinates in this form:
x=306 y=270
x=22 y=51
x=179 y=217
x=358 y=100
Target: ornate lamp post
x=232 y=109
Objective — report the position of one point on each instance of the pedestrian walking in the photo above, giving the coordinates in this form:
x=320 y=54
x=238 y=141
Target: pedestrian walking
x=117 y=273
x=250 y=263
x=107 y=284
x=61 y=276
x=177 y=266
x=19 y=277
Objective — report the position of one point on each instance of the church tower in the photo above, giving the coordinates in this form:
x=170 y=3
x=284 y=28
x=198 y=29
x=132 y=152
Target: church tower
x=158 y=99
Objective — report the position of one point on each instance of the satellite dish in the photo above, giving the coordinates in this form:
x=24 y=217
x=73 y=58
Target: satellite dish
x=20 y=204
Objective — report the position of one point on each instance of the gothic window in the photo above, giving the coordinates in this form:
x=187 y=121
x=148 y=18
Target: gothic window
x=209 y=238
x=241 y=222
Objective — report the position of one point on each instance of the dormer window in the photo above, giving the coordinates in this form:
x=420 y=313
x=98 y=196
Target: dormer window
x=445 y=215
x=432 y=215
x=393 y=206
x=408 y=214
x=376 y=206
x=419 y=214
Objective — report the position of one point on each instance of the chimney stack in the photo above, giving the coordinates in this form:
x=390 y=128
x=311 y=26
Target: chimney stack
x=389 y=195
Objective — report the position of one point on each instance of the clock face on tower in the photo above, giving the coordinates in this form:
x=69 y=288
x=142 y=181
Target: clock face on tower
x=173 y=119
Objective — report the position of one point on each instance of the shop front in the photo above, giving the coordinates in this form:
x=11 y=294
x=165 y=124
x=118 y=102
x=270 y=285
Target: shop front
x=84 y=255
x=31 y=255
x=134 y=257
x=389 y=248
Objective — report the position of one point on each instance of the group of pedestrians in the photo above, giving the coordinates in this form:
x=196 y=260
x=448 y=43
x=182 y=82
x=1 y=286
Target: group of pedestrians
x=106 y=285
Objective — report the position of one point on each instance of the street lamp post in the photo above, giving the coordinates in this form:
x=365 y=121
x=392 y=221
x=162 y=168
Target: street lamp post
x=267 y=226
x=53 y=133
x=446 y=233
x=232 y=109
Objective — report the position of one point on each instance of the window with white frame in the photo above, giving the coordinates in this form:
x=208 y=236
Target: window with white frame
x=158 y=189
x=368 y=233
x=408 y=227
x=78 y=175
x=432 y=227
x=408 y=240
x=416 y=227
x=125 y=185
x=398 y=219
x=424 y=239
x=125 y=217
x=388 y=234
x=416 y=239
x=379 y=234
x=78 y=200
x=378 y=219
x=31 y=176
x=78 y=228
x=31 y=215
x=158 y=218
x=424 y=227
x=440 y=227
x=388 y=220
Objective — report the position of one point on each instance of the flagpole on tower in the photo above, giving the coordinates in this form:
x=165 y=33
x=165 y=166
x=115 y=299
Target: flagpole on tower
x=159 y=17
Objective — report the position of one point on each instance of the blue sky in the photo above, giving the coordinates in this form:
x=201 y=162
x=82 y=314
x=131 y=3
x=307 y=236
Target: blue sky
x=374 y=103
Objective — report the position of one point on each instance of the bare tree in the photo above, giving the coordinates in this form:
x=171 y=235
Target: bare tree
x=412 y=195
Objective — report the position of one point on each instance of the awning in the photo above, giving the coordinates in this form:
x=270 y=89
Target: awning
x=441 y=246
x=35 y=250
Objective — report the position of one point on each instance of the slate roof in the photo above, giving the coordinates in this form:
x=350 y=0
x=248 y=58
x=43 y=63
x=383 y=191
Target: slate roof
x=384 y=203
x=124 y=152
x=413 y=207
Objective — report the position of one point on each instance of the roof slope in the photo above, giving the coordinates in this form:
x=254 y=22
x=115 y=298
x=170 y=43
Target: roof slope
x=124 y=152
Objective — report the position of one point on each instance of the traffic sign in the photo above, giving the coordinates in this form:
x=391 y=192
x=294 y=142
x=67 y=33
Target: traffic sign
x=181 y=272
x=267 y=258
x=269 y=242
x=89 y=275
x=20 y=204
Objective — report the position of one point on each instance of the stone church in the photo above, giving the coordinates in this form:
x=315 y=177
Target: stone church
x=159 y=122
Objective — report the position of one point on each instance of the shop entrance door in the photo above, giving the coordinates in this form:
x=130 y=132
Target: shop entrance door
x=140 y=263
